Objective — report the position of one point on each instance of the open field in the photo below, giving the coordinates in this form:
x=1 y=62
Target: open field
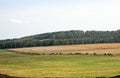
x=80 y=66
x=91 y=63
x=112 y=48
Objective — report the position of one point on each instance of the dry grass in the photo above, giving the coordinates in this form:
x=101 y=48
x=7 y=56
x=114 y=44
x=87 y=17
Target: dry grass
x=112 y=48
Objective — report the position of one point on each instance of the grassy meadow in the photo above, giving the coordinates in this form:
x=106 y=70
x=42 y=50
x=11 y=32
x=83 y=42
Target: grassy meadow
x=80 y=66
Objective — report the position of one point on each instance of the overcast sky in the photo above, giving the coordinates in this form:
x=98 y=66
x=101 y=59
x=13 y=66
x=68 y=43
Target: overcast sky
x=20 y=18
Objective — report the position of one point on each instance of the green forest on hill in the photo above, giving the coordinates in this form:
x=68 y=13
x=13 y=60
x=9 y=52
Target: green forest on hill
x=63 y=38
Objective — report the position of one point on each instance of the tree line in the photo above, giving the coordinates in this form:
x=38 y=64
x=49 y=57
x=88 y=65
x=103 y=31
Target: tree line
x=63 y=38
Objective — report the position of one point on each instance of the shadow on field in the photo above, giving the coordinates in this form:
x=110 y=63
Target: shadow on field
x=7 y=76
x=118 y=76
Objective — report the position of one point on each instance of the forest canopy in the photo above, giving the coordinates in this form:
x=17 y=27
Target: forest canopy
x=63 y=38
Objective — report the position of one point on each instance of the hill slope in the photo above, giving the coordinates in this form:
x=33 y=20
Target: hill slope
x=63 y=38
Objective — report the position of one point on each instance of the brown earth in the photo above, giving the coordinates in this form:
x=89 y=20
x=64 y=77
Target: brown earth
x=7 y=76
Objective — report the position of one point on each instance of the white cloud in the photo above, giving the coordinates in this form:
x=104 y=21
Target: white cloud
x=17 y=21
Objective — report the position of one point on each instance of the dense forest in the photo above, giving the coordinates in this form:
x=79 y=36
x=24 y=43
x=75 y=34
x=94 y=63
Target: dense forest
x=63 y=38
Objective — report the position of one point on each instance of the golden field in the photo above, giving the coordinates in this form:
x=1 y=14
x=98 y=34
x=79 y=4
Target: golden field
x=108 y=48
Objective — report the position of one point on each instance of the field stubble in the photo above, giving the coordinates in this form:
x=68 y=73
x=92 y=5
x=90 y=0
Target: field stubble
x=108 y=48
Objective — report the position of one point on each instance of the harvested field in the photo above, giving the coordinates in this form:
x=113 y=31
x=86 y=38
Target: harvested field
x=108 y=48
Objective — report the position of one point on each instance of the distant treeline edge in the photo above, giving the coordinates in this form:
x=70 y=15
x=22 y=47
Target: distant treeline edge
x=63 y=38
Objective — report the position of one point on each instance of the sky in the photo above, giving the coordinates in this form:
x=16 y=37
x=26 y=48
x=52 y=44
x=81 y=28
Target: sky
x=19 y=18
